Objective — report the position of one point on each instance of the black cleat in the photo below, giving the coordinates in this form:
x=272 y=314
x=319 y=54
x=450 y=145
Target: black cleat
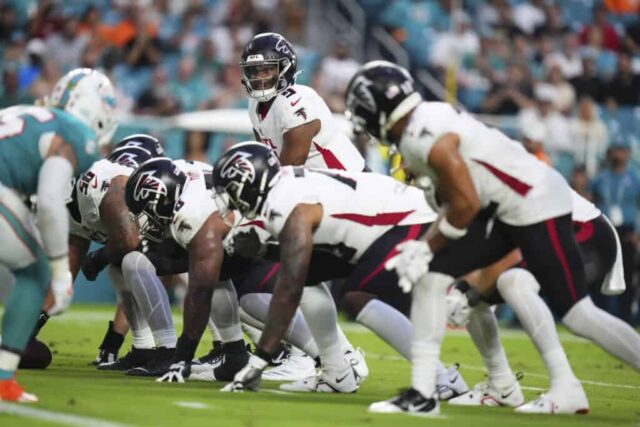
x=157 y=367
x=213 y=357
x=136 y=357
x=410 y=402
x=110 y=347
x=235 y=356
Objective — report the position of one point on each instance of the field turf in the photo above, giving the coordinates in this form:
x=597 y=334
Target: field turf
x=73 y=393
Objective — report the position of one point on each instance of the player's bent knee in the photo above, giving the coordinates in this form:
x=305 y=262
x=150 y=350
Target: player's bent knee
x=134 y=262
x=354 y=301
x=517 y=277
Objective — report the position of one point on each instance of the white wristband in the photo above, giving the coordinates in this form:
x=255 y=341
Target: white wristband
x=449 y=231
x=59 y=266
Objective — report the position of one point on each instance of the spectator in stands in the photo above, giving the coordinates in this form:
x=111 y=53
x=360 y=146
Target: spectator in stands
x=208 y=63
x=11 y=93
x=49 y=75
x=543 y=114
x=188 y=88
x=565 y=94
x=529 y=16
x=588 y=83
x=333 y=76
x=67 y=44
x=8 y=23
x=605 y=59
x=589 y=135
x=632 y=38
x=616 y=191
x=228 y=92
x=511 y=96
x=610 y=39
x=45 y=21
x=624 y=88
x=31 y=68
x=451 y=46
x=579 y=181
x=157 y=100
x=568 y=58
x=555 y=25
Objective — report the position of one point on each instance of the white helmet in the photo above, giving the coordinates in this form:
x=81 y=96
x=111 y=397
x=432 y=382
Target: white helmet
x=88 y=95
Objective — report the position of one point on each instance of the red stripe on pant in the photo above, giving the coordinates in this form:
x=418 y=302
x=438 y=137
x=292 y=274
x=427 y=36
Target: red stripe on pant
x=583 y=231
x=274 y=269
x=414 y=231
x=557 y=248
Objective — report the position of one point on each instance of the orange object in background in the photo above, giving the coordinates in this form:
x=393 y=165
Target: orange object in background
x=623 y=6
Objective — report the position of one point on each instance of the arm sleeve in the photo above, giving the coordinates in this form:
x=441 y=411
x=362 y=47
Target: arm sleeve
x=53 y=186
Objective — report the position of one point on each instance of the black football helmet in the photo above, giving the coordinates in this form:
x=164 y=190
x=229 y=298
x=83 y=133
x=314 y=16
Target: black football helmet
x=134 y=150
x=243 y=176
x=379 y=95
x=268 y=66
x=151 y=193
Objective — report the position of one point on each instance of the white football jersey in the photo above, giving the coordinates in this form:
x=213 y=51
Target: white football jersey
x=526 y=190
x=296 y=106
x=358 y=207
x=583 y=210
x=87 y=195
x=195 y=204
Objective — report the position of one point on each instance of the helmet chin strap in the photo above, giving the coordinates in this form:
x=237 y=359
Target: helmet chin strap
x=407 y=104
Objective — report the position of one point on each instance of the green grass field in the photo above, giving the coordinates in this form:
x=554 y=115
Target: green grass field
x=72 y=393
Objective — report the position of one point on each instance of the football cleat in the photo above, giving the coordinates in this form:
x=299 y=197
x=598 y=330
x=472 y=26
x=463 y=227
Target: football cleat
x=485 y=394
x=410 y=402
x=11 y=391
x=235 y=356
x=212 y=358
x=358 y=363
x=136 y=357
x=293 y=366
x=571 y=401
x=156 y=367
x=325 y=382
x=451 y=384
x=105 y=355
x=110 y=346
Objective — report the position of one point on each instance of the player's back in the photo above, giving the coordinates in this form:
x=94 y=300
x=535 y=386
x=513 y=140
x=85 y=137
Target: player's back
x=26 y=134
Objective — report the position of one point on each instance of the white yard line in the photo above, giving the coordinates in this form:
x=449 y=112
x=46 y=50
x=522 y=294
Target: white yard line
x=193 y=405
x=23 y=410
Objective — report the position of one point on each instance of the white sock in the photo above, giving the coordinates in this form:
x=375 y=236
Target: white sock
x=256 y=306
x=483 y=329
x=151 y=297
x=612 y=334
x=519 y=289
x=225 y=312
x=429 y=319
x=319 y=311
x=140 y=332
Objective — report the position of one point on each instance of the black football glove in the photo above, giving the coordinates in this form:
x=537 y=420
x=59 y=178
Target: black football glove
x=94 y=263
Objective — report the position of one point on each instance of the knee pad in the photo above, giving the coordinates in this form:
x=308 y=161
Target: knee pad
x=135 y=261
x=517 y=277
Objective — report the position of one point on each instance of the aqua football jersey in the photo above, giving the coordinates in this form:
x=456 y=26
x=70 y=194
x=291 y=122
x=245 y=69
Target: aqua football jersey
x=26 y=132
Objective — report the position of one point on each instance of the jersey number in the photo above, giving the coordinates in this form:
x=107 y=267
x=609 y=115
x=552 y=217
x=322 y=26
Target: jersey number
x=12 y=124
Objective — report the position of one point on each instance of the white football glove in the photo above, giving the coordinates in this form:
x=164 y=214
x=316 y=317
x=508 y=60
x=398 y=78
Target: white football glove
x=248 y=378
x=61 y=285
x=458 y=309
x=411 y=262
x=178 y=373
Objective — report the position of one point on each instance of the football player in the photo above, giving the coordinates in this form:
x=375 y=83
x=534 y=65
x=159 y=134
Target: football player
x=291 y=119
x=358 y=218
x=43 y=149
x=600 y=249
x=474 y=168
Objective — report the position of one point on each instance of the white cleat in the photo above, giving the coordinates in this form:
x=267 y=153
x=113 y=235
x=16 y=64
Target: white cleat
x=410 y=402
x=358 y=363
x=297 y=366
x=204 y=371
x=484 y=394
x=573 y=401
x=451 y=384
x=325 y=382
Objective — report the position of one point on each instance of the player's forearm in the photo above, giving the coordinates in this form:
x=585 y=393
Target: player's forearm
x=197 y=305
x=53 y=186
x=285 y=301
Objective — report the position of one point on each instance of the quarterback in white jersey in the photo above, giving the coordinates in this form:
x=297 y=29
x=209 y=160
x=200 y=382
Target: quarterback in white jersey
x=473 y=168
x=291 y=119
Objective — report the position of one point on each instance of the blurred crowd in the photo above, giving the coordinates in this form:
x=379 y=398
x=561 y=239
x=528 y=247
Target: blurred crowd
x=563 y=76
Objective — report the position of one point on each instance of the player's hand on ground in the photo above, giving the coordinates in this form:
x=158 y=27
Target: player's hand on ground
x=178 y=373
x=411 y=262
x=248 y=378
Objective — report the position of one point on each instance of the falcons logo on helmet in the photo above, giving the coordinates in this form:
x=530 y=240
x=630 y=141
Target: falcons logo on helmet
x=127 y=159
x=239 y=166
x=149 y=187
x=361 y=94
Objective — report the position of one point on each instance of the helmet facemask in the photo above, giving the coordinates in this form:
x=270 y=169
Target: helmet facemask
x=264 y=79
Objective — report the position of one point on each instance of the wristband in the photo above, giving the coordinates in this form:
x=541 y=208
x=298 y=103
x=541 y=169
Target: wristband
x=449 y=231
x=59 y=266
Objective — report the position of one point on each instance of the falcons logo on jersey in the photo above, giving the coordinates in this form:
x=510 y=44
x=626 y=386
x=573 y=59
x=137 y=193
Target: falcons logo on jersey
x=239 y=166
x=149 y=187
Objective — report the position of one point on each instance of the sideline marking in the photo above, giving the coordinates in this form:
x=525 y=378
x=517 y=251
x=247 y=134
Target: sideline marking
x=56 y=417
